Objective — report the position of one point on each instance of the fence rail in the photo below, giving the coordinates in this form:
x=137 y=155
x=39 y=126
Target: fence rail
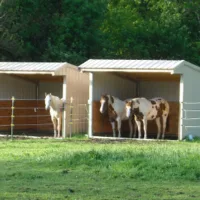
x=16 y=116
x=191 y=111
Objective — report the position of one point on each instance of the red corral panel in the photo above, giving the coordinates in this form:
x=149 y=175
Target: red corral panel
x=28 y=114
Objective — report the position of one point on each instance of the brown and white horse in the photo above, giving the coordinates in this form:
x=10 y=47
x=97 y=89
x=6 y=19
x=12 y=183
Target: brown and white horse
x=116 y=112
x=144 y=110
x=56 y=107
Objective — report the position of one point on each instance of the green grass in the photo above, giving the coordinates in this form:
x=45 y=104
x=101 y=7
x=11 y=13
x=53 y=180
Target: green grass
x=90 y=169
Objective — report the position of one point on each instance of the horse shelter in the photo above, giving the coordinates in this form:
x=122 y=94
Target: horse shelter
x=22 y=92
x=175 y=80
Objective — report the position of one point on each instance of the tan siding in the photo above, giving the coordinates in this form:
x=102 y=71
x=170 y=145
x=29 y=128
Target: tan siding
x=77 y=87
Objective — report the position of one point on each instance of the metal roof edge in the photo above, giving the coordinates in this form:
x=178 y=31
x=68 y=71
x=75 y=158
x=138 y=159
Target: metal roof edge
x=192 y=66
x=187 y=64
x=27 y=72
x=86 y=65
x=129 y=70
x=55 y=68
x=66 y=64
x=181 y=63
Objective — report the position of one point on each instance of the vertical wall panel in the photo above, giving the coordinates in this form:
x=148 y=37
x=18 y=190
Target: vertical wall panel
x=114 y=85
x=50 y=87
x=167 y=90
x=17 y=87
x=191 y=102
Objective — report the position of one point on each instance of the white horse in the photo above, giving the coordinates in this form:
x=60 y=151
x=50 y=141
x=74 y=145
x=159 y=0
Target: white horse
x=144 y=110
x=116 y=112
x=56 y=106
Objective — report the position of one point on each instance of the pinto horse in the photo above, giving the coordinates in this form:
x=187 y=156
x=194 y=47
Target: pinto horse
x=116 y=112
x=56 y=107
x=144 y=110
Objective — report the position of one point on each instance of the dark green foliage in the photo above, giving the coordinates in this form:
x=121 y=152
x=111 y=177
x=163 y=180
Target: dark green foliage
x=61 y=30
x=74 y=31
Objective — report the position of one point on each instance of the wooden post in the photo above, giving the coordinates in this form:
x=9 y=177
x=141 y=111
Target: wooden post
x=71 y=113
x=90 y=102
x=64 y=117
x=12 y=117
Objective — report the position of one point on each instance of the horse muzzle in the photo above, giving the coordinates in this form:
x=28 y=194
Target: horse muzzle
x=101 y=111
x=47 y=108
x=128 y=113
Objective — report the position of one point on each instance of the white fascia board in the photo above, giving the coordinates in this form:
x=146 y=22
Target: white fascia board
x=27 y=72
x=128 y=70
x=192 y=66
x=178 y=69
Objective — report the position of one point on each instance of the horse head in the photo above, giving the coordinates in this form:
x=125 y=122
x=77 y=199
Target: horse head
x=132 y=107
x=128 y=108
x=47 y=100
x=104 y=103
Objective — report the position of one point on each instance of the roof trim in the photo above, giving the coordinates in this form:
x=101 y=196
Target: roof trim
x=32 y=67
x=27 y=72
x=106 y=65
x=192 y=66
x=129 y=70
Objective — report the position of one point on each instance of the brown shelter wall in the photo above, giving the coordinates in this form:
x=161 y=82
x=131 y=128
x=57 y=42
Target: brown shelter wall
x=28 y=114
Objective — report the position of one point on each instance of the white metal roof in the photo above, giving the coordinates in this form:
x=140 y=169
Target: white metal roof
x=31 y=66
x=130 y=65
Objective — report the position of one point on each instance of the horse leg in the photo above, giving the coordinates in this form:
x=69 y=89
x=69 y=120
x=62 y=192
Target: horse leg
x=119 y=123
x=131 y=127
x=145 y=127
x=59 y=126
x=158 y=127
x=139 y=128
x=164 y=119
x=135 y=129
x=54 y=126
x=113 y=128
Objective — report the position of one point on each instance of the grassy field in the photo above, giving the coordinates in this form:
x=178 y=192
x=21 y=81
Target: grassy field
x=99 y=170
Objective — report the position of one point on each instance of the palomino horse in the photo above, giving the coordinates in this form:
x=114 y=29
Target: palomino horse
x=56 y=106
x=144 y=110
x=116 y=112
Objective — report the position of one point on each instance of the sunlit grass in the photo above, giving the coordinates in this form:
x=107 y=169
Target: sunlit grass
x=89 y=169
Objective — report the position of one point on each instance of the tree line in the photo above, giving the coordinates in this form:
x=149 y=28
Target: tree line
x=76 y=30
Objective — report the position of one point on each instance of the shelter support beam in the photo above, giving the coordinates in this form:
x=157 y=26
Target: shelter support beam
x=181 y=100
x=64 y=122
x=90 y=132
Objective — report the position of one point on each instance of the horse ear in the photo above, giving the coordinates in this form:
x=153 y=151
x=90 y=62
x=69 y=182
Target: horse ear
x=50 y=94
x=45 y=94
